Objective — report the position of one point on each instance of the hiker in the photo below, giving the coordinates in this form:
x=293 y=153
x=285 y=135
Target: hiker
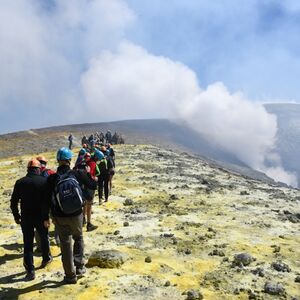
x=101 y=137
x=29 y=190
x=70 y=139
x=89 y=194
x=80 y=157
x=108 y=136
x=84 y=141
x=45 y=172
x=104 y=165
x=111 y=155
x=64 y=198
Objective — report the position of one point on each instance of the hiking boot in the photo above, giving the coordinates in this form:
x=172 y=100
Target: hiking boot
x=106 y=200
x=68 y=280
x=80 y=270
x=91 y=227
x=46 y=262
x=30 y=276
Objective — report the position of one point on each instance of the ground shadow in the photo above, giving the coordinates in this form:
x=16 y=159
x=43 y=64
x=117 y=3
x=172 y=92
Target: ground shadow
x=14 y=293
x=6 y=257
x=14 y=246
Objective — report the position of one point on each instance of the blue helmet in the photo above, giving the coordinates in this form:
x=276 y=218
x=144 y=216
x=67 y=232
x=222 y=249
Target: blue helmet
x=82 y=151
x=64 y=154
x=98 y=154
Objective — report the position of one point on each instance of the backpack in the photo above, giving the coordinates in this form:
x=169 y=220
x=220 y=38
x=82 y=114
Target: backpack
x=68 y=194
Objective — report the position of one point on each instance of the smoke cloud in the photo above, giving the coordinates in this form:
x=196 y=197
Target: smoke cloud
x=73 y=61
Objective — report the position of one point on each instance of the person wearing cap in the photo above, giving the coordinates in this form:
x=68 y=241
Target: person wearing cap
x=44 y=170
x=29 y=192
x=69 y=226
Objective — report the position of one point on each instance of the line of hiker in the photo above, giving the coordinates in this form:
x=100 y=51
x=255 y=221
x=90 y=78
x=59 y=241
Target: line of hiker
x=66 y=195
x=100 y=139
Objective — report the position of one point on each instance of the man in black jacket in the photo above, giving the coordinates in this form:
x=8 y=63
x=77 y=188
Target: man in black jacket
x=29 y=190
x=68 y=226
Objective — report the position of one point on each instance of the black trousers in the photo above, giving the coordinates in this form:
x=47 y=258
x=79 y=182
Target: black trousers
x=103 y=183
x=28 y=224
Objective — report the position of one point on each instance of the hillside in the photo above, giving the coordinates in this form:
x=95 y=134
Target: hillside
x=189 y=218
x=168 y=134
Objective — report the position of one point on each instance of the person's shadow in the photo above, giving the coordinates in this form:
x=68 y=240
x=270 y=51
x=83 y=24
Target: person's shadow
x=11 y=293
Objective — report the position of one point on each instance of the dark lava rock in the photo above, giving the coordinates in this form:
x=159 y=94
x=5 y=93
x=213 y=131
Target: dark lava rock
x=174 y=197
x=128 y=202
x=244 y=193
x=297 y=279
x=217 y=252
x=273 y=288
x=276 y=249
x=194 y=295
x=167 y=283
x=7 y=193
x=107 y=259
x=125 y=224
x=243 y=259
x=148 y=259
x=259 y=271
x=167 y=235
x=281 y=267
x=117 y=232
x=188 y=251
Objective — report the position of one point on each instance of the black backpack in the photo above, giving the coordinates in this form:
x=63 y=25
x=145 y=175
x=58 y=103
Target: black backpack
x=68 y=194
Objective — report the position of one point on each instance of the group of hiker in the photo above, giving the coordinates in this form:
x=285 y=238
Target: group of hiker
x=99 y=138
x=67 y=195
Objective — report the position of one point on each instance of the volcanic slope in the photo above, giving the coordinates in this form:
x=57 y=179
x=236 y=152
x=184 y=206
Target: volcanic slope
x=179 y=223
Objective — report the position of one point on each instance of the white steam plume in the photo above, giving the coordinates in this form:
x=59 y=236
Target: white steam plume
x=132 y=82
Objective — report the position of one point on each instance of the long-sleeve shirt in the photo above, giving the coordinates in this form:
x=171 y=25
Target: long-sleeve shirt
x=29 y=191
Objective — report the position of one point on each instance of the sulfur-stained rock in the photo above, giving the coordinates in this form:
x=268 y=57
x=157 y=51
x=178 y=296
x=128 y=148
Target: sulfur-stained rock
x=242 y=259
x=281 y=267
x=273 y=288
x=128 y=202
x=194 y=295
x=107 y=259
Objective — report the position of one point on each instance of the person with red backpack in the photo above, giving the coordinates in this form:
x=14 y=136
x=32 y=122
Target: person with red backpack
x=45 y=172
x=64 y=199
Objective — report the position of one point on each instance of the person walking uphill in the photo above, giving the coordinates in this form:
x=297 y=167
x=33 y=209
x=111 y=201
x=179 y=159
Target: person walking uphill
x=104 y=166
x=64 y=198
x=70 y=139
x=29 y=190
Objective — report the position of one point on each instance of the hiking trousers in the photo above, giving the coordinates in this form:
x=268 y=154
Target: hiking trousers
x=68 y=229
x=103 y=183
x=28 y=224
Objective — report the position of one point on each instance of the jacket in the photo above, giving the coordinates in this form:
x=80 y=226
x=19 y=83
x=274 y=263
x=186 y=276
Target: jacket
x=28 y=190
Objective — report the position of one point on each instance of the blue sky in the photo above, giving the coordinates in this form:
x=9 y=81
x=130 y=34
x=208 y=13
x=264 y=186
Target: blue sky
x=49 y=47
x=252 y=46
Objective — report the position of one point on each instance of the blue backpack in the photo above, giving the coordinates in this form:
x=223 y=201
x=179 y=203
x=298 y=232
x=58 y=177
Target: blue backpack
x=68 y=194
